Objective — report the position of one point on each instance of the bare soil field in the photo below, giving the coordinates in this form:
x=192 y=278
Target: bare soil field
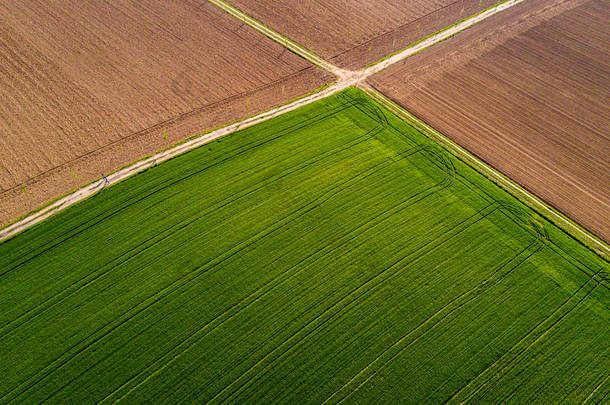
x=526 y=91
x=90 y=86
x=354 y=33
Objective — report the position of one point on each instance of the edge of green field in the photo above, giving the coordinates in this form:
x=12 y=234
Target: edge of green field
x=570 y=228
x=171 y=146
x=561 y=238
x=224 y=149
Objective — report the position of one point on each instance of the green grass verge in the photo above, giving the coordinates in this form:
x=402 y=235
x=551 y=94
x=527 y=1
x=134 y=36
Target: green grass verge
x=332 y=253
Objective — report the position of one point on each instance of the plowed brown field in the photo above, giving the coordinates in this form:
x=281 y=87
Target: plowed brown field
x=90 y=86
x=526 y=91
x=354 y=33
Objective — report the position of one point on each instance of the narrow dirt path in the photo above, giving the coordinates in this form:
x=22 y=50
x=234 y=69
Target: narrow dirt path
x=357 y=76
x=154 y=160
x=537 y=204
x=345 y=78
x=438 y=37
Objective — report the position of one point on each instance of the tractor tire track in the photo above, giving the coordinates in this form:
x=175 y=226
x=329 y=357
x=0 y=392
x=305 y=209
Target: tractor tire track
x=192 y=274
x=375 y=220
x=420 y=252
x=443 y=313
x=501 y=371
x=76 y=286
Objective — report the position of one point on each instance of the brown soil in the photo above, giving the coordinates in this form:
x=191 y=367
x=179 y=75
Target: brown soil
x=526 y=91
x=355 y=33
x=90 y=88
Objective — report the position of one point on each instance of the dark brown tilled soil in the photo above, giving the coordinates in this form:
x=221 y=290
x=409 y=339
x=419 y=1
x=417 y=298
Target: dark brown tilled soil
x=526 y=91
x=355 y=33
x=88 y=87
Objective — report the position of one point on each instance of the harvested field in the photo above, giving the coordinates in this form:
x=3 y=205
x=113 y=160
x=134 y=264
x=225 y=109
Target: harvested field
x=527 y=92
x=332 y=253
x=355 y=33
x=90 y=86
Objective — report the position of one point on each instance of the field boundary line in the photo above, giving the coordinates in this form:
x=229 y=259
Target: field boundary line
x=171 y=288
x=356 y=76
x=160 y=157
x=158 y=126
x=534 y=202
x=277 y=37
x=438 y=36
x=83 y=282
x=346 y=79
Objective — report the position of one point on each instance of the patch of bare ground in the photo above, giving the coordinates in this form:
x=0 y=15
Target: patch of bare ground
x=90 y=86
x=527 y=92
x=355 y=33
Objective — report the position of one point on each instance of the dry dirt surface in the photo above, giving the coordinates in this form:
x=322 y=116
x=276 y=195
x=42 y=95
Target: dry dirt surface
x=90 y=86
x=527 y=92
x=355 y=33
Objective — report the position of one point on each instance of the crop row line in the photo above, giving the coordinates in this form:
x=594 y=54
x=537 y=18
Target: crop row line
x=205 y=268
x=399 y=206
x=76 y=286
x=352 y=248
x=236 y=306
x=544 y=327
x=160 y=294
x=595 y=390
x=140 y=166
x=453 y=305
x=372 y=222
x=539 y=338
x=345 y=303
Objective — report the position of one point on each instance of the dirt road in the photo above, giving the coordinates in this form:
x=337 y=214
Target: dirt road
x=525 y=91
x=93 y=89
x=346 y=79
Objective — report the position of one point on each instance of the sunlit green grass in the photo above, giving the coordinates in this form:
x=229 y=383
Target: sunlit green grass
x=330 y=254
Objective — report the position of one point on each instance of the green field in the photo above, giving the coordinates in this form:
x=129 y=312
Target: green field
x=330 y=254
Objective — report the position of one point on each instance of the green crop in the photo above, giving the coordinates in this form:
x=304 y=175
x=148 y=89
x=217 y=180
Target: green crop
x=331 y=254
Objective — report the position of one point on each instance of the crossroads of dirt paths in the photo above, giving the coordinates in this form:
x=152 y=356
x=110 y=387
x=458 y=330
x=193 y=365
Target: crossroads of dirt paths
x=346 y=79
